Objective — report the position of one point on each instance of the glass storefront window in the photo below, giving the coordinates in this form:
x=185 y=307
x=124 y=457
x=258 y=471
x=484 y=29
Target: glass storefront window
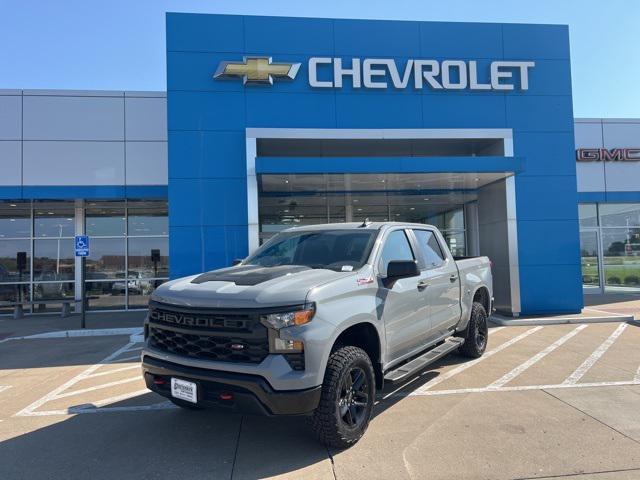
x=38 y=237
x=12 y=251
x=105 y=219
x=456 y=243
x=140 y=298
x=142 y=263
x=588 y=214
x=106 y=295
x=106 y=259
x=53 y=259
x=621 y=258
x=148 y=218
x=590 y=263
x=52 y=290
x=619 y=214
x=54 y=219
x=12 y=293
x=372 y=206
x=15 y=220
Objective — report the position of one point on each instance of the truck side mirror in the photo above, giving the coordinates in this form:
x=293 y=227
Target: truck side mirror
x=397 y=269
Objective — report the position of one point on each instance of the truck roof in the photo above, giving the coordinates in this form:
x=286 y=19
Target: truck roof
x=354 y=225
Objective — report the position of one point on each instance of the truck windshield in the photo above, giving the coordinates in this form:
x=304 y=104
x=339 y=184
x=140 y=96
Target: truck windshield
x=340 y=250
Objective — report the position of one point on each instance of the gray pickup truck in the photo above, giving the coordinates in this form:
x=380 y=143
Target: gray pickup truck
x=315 y=321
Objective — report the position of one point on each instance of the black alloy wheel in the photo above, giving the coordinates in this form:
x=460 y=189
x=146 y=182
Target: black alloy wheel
x=354 y=397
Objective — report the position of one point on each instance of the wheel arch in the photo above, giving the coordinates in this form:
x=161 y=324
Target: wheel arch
x=482 y=296
x=364 y=335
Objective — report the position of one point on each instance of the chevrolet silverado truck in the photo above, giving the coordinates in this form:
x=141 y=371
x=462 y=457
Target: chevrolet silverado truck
x=315 y=321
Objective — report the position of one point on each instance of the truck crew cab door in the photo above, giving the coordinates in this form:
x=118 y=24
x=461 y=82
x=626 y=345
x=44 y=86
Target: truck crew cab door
x=403 y=306
x=443 y=291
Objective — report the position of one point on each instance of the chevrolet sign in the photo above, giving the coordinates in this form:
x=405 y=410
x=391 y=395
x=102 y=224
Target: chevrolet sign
x=380 y=73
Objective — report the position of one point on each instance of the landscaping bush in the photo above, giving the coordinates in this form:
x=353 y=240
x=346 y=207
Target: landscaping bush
x=613 y=280
x=631 y=280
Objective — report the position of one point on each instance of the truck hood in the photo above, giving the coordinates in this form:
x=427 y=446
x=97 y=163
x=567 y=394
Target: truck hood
x=246 y=286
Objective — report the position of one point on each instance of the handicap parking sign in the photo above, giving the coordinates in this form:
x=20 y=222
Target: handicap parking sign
x=82 y=245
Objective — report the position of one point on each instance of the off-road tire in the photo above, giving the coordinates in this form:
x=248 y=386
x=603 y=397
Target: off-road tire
x=185 y=405
x=476 y=334
x=327 y=422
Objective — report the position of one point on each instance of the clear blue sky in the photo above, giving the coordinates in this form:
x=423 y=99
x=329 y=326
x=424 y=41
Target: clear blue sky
x=119 y=44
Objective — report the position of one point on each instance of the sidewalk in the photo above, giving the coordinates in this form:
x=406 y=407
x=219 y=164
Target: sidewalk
x=38 y=324
x=598 y=309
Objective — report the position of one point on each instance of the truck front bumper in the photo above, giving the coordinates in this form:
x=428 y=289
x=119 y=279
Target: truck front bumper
x=236 y=392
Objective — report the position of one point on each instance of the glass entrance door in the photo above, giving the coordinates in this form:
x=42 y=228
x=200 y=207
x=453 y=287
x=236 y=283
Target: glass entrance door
x=590 y=261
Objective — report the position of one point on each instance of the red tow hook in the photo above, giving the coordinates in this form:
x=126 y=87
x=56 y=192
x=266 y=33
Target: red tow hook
x=226 y=396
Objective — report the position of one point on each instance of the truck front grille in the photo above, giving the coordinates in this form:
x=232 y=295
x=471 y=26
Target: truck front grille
x=208 y=335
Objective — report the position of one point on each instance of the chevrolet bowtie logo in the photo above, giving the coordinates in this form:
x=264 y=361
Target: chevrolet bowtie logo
x=257 y=70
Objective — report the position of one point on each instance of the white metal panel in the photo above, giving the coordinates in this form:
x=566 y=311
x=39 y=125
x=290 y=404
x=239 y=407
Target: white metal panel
x=10 y=163
x=73 y=163
x=590 y=175
x=146 y=119
x=10 y=117
x=73 y=118
x=621 y=135
x=588 y=134
x=622 y=176
x=147 y=163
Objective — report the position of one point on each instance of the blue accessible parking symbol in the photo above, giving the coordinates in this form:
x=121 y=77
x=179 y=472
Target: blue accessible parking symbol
x=82 y=245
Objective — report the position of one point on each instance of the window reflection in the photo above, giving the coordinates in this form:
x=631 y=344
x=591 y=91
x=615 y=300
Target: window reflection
x=54 y=219
x=106 y=259
x=292 y=200
x=15 y=220
x=148 y=257
x=588 y=214
x=15 y=260
x=53 y=259
x=148 y=218
x=619 y=214
x=106 y=295
x=105 y=219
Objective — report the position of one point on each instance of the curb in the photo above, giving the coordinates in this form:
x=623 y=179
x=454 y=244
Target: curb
x=508 y=322
x=97 y=332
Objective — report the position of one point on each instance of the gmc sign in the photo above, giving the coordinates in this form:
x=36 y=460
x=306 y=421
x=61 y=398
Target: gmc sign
x=608 y=155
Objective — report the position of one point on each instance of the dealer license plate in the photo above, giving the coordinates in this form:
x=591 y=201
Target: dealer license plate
x=184 y=390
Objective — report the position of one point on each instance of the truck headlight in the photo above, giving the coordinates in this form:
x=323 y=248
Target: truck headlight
x=291 y=318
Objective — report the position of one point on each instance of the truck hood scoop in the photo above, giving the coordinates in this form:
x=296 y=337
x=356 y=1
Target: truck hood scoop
x=249 y=275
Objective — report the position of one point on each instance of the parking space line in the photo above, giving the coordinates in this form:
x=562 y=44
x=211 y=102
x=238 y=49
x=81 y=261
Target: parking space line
x=595 y=356
x=637 y=377
x=117 y=398
x=115 y=370
x=4 y=387
x=133 y=349
x=446 y=376
x=125 y=359
x=507 y=377
x=30 y=409
x=98 y=387
x=134 y=408
x=521 y=388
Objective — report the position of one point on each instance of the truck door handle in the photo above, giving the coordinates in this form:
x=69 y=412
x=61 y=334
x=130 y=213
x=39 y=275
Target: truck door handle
x=422 y=285
x=453 y=278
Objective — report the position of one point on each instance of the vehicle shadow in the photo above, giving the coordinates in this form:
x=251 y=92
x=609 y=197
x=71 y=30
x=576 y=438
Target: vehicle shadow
x=167 y=443
x=57 y=352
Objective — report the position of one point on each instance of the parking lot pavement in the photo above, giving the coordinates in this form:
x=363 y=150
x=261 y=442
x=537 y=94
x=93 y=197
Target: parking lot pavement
x=556 y=401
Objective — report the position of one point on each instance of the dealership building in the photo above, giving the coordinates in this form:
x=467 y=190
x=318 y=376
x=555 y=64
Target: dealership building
x=269 y=123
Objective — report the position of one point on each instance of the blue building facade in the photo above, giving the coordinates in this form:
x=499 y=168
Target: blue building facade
x=527 y=202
